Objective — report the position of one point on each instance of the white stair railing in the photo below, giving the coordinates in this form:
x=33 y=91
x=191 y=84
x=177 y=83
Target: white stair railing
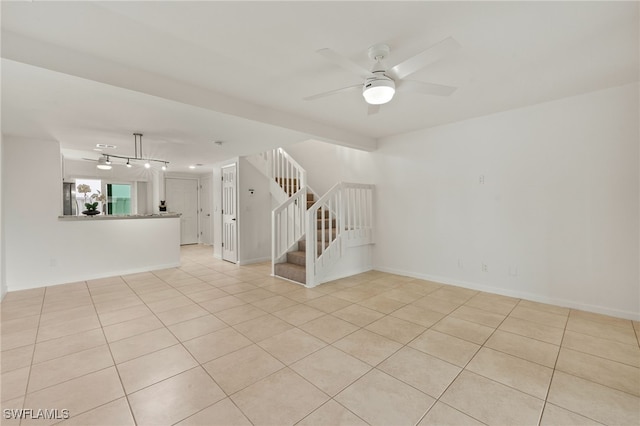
x=285 y=175
x=341 y=218
x=285 y=171
x=288 y=224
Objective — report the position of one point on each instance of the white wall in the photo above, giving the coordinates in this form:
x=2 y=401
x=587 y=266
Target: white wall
x=254 y=214
x=3 y=282
x=206 y=207
x=556 y=219
x=43 y=250
x=328 y=164
x=143 y=198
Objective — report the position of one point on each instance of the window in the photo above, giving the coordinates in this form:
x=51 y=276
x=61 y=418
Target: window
x=118 y=198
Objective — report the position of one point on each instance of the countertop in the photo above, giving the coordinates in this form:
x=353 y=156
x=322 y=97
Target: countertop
x=119 y=217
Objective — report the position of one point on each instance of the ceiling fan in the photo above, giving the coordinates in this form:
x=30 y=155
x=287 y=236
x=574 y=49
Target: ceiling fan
x=381 y=82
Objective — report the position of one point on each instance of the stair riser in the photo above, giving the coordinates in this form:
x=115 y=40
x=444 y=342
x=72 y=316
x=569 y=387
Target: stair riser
x=284 y=270
x=296 y=259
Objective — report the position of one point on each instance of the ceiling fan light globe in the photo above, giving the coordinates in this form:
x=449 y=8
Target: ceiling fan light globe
x=379 y=91
x=102 y=164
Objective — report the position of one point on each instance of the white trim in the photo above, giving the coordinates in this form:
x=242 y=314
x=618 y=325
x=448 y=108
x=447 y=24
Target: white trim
x=257 y=260
x=197 y=180
x=517 y=294
x=235 y=164
x=287 y=279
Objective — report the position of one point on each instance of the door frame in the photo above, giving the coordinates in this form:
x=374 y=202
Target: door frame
x=202 y=207
x=237 y=227
x=197 y=181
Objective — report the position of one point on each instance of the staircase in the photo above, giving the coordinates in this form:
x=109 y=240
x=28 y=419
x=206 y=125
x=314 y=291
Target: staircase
x=294 y=268
x=316 y=238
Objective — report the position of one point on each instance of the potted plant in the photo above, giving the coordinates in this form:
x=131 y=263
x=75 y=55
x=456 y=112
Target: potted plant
x=90 y=201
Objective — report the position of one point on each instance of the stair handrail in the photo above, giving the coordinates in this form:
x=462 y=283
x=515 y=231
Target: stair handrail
x=283 y=166
x=351 y=206
x=288 y=224
x=328 y=203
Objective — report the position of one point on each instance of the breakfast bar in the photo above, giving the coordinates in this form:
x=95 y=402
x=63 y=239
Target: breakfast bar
x=120 y=244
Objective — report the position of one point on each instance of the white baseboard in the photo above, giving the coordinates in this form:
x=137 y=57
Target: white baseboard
x=250 y=261
x=635 y=316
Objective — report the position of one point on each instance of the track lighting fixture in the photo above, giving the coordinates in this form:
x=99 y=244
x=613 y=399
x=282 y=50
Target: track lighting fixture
x=104 y=163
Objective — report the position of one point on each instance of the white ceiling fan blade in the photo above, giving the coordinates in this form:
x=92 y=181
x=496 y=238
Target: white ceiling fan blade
x=426 y=57
x=344 y=62
x=425 y=88
x=333 y=92
x=373 y=109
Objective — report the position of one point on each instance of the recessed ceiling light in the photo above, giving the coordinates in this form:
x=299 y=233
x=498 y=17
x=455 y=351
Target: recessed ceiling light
x=97 y=149
x=192 y=166
x=104 y=145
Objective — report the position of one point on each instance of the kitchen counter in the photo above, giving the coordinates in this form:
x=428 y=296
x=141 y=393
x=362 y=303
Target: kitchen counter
x=119 y=217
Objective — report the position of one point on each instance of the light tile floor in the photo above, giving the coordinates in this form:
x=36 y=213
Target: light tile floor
x=211 y=343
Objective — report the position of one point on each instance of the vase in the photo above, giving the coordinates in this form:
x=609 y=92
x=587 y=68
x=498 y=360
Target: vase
x=91 y=212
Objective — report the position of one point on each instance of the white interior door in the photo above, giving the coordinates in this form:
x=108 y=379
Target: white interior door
x=182 y=197
x=229 y=214
x=206 y=236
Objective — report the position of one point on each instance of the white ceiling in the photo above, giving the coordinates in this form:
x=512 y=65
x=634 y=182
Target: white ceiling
x=188 y=73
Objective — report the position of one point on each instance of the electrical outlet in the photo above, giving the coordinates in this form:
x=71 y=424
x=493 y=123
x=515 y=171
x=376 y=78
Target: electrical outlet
x=481 y=180
x=460 y=264
x=485 y=268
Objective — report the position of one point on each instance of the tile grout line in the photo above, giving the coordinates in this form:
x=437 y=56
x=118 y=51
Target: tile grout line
x=124 y=391
x=465 y=366
x=553 y=373
x=227 y=396
x=360 y=328
x=200 y=365
x=285 y=366
x=35 y=342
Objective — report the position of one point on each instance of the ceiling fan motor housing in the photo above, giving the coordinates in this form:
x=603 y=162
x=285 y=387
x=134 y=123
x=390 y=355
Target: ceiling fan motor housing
x=378 y=90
